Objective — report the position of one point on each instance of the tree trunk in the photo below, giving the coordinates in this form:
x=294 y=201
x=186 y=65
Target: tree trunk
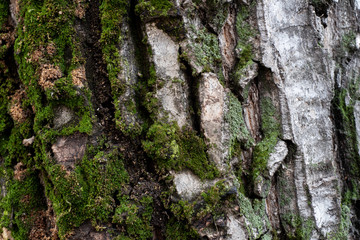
x=179 y=119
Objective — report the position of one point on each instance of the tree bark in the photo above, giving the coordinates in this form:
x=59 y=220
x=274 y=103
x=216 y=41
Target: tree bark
x=179 y=119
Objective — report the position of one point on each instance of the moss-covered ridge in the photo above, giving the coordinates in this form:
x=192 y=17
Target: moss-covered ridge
x=177 y=149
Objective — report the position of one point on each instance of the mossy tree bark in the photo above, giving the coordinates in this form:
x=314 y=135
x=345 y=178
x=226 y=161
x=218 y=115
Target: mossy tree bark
x=196 y=119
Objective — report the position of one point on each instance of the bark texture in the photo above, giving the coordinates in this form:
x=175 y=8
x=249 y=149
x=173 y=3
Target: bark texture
x=180 y=119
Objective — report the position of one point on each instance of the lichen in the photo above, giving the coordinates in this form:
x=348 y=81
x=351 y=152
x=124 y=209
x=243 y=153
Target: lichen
x=255 y=214
x=270 y=126
x=238 y=130
x=243 y=47
x=206 y=48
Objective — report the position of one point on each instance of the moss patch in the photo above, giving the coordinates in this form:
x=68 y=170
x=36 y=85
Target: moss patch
x=206 y=208
x=89 y=192
x=113 y=14
x=177 y=149
x=45 y=38
x=19 y=206
x=135 y=217
x=179 y=230
x=4 y=12
x=153 y=8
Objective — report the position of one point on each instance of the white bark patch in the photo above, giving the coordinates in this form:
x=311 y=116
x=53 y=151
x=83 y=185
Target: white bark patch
x=357 y=122
x=277 y=157
x=189 y=185
x=289 y=49
x=235 y=229
x=165 y=52
x=173 y=96
x=212 y=95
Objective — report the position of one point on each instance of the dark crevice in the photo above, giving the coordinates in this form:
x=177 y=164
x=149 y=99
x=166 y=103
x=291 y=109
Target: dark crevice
x=347 y=150
x=67 y=57
x=142 y=61
x=140 y=168
x=96 y=73
x=280 y=233
x=11 y=65
x=284 y=182
x=321 y=7
x=194 y=101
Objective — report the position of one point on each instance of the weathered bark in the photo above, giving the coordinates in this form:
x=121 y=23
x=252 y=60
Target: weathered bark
x=186 y=119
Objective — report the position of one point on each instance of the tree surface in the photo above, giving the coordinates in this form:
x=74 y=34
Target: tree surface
x=179 y=119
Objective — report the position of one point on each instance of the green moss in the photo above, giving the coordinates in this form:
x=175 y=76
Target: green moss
x=216 y=12
x=89 y=192
x=210 y=204
x=344 y=102
x=174 y=27
x=214 y=199
x=20 y=205
x=161 y=144
x=348 y=43
x=348 y=128
x=113 y=13
x=270 y=127
x=345 y=224
x=303 y=227
x=177 y=149
x=136 y=219
x=6 y=88
x=153 y=8
x=183 y=210
x=178 y=230
x=4 y=12
x=51 y=22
